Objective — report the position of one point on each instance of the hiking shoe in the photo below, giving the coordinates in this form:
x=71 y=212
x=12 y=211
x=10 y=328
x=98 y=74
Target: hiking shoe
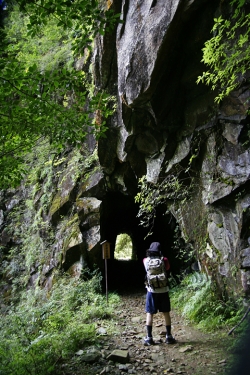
x=148 y=341
x=170 y=339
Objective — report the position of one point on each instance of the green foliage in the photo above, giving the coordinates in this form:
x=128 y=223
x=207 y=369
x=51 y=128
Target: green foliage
x=41 y=93
x=227 y=53
x=170 y=190
x=198 y=300
x=29 y=223
x=123 y=247
x=26 y=221
x=47 y=327
x=84 y=18
x=49 y=49
x=183 y=251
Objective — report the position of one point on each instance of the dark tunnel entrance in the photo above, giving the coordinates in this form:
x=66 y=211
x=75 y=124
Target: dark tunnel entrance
x=119 y=215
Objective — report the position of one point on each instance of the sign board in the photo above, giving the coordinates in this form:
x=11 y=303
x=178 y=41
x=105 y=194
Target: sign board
x=105 y=250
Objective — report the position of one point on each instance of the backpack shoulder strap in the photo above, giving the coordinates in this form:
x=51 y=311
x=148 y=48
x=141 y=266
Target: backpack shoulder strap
x=146 y=263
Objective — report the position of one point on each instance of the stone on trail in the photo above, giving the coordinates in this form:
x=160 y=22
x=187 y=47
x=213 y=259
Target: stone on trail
x=156 y=349
x=222 y=361
x=131 y=332
x=158 y=357
x=157 y=339
x=158 y=324
x=104 y=353
x=118 y=355
x=185 y=349
x=91 y=355
x=106 y=370
x=124 y=348
x=136 y=319
x=123 y=368
x=102 y=331
x=80 y=352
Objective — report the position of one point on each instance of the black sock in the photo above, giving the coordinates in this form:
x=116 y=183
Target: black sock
x=168 y=330
x=149 y=331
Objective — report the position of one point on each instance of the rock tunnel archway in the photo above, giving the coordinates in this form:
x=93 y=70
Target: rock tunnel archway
x=119 y=215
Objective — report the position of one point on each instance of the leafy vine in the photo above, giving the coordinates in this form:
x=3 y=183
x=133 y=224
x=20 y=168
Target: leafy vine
x=168 y=191
x=227 y=53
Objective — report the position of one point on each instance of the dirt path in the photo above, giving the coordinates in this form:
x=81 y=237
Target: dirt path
x=195 y=352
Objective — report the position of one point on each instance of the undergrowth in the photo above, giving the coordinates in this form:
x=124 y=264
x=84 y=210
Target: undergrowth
x=46 y=328
x=198 y=301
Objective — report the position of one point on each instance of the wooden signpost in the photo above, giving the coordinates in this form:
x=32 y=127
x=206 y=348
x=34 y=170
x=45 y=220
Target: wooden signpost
x=106 y=255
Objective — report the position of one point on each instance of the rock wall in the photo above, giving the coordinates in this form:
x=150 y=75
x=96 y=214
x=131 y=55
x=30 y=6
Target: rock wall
x=165 y=119
x=164 y=123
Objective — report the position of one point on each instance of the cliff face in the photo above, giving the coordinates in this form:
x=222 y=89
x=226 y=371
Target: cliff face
x=165 y=124
x=165 y=120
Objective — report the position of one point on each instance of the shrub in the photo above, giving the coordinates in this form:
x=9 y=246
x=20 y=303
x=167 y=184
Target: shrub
x=198 y=300
x=45 y=328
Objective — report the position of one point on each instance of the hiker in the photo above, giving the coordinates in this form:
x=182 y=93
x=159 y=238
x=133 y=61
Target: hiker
x=157 y=298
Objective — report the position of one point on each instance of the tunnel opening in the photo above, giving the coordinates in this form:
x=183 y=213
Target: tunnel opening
x=119 y=216
x=124 y=248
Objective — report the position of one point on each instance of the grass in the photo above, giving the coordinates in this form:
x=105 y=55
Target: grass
x=46 y=328
x=198 y=300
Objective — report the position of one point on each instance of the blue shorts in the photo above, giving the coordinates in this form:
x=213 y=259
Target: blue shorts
x=157 y=302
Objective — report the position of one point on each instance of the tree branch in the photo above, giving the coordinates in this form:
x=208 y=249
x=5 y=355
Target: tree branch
x=237 y=325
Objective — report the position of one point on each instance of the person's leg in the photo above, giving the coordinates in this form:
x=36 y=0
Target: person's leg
x=149 y=324
x=165 y=309
x=167 y=322
x=150 y=310
x=149 y=319
x=167 y=318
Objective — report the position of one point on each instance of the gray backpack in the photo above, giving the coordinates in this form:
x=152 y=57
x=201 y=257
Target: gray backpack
x=156 y=273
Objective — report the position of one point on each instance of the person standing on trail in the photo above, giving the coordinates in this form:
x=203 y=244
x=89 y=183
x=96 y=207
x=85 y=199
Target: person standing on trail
x=157 y=298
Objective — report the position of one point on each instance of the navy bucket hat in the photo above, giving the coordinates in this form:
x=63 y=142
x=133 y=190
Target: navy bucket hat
x=155 y=247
